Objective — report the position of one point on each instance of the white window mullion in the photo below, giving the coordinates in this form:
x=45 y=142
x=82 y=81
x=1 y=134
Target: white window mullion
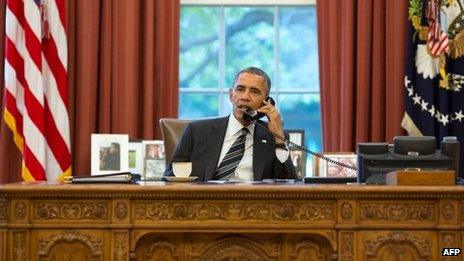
x=222 y=58
x=276 y=53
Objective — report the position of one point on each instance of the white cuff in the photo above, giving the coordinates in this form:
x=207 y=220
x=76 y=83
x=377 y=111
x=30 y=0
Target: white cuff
x=282 y=155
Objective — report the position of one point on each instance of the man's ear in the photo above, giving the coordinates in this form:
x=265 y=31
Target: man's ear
x=231 y=93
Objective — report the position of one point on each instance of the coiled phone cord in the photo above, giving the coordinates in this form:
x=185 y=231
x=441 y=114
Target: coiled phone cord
x=304 y=148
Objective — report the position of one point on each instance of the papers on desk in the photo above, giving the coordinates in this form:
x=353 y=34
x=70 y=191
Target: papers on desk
x=122 y=177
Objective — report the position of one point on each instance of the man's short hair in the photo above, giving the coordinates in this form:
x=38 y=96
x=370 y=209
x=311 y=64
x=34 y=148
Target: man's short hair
x=255 y=71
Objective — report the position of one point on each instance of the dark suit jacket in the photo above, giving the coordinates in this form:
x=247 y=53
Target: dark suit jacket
x=201 y=144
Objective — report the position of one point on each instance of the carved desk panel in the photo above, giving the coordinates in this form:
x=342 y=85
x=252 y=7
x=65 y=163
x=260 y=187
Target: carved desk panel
x=158 y=221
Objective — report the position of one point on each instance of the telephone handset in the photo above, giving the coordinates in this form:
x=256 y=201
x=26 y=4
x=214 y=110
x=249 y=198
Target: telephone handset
x=253 y=115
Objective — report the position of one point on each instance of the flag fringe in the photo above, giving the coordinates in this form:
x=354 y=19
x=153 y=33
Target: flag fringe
x=11 y=123
x=67 y=173
x=26 y=174
x=408 y=124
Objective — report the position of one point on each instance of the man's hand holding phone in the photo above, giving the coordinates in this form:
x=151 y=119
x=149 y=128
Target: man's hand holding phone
x=275 y=121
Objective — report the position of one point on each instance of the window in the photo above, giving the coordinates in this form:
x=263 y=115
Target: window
x=217 y=41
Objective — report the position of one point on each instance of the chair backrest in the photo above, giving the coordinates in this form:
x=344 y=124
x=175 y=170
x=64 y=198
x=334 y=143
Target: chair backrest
x=171 y=129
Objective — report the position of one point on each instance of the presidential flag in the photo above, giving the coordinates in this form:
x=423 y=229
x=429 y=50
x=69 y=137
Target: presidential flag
x=36 y=92
x=434 y=78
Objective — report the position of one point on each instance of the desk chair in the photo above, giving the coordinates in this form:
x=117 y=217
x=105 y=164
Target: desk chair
x=171 y=129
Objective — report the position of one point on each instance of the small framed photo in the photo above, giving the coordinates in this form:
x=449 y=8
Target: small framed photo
x=323 y=168
x=109 y=153
x=154 y=159
x=298 y=156
x=296 y=136
x=154 y=149
x=154 y=169
x=136 y=157
x=299 y=162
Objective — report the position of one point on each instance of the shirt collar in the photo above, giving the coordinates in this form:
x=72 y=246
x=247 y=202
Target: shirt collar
x=235 y=126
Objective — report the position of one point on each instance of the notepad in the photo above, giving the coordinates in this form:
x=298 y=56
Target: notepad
x=122 y=177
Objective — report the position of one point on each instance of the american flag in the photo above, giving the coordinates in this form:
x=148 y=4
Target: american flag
x=438 y=41
x=36 y=93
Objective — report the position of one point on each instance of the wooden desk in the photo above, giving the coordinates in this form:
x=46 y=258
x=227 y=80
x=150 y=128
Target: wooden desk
x=240 y=222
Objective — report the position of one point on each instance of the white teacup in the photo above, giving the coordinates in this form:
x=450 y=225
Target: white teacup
x=182 y=169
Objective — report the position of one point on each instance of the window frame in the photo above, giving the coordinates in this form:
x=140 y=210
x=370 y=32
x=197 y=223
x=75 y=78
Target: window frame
x=222 y=87
x=248 y=2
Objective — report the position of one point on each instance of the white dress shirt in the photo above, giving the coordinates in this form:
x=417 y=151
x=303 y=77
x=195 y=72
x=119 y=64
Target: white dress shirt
x=244 y=170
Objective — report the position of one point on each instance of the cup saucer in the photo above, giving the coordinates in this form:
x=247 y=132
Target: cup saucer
x=180 y=179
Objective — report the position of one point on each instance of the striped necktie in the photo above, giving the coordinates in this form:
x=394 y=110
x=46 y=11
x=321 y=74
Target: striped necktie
x=232 y=158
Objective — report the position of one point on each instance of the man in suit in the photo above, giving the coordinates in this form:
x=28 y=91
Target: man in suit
x=231 y=148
